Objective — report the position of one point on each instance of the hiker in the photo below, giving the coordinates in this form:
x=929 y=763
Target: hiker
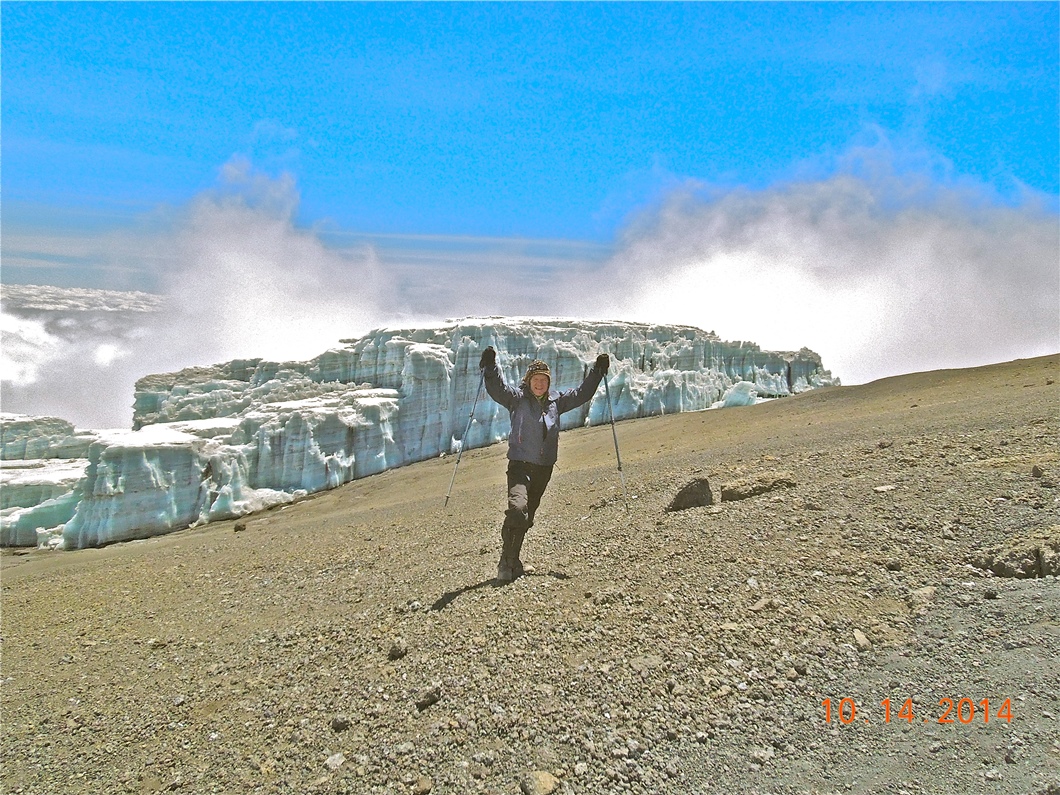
x=532 y=444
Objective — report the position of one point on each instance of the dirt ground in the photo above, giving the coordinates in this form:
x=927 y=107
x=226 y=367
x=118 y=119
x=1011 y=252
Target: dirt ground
x=841 y=618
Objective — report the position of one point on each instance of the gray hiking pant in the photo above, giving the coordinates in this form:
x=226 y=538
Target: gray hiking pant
x=526 y=484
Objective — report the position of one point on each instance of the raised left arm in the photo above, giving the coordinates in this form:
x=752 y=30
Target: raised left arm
x=573 y=398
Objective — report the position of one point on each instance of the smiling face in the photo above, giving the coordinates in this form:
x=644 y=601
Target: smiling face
x=539 y=384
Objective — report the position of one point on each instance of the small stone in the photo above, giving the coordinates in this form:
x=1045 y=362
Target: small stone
x=340 y=723
x=893 y=565
x=921 y=598
x=240 y=527
x=990 y=593
x=861 y=640
x=422 y=786
x=1037 y=472
x=398 y=649
x=334 y=762
x=538 y=782
x=644 y=664
x=761 y=604
x=430 y=698
x=762 y=755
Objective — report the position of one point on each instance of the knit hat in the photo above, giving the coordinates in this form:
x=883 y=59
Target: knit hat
x=537 y=367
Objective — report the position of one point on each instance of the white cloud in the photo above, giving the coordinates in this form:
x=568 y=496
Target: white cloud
x=247 y=282
x=107 y=353
x=880 y=276
x=27 y=347
x=879 y=273
x=238 y=280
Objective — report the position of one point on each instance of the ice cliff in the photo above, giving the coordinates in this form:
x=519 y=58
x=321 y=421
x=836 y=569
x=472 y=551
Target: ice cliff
x=218 y=442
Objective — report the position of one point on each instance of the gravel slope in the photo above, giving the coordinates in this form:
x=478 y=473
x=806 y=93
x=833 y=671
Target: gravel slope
x=356 y=643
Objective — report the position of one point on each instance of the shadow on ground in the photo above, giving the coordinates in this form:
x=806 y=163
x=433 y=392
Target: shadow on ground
x=449 y=597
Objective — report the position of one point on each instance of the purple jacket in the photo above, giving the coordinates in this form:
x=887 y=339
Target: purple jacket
x=535 y=422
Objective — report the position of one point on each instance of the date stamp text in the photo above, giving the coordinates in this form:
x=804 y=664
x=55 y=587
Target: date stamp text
x=963 y=711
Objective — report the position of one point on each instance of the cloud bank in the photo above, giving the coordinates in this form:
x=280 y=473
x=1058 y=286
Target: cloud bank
x=238 y=280
x=880 y=277
x=879 y=272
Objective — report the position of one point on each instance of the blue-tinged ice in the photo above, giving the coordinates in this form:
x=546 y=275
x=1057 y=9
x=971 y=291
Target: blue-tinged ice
x=742 y=393
x=223 y=441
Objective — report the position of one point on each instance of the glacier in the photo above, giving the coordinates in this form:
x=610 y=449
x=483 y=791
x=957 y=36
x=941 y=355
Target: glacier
x=42 y=459
x=219 y=442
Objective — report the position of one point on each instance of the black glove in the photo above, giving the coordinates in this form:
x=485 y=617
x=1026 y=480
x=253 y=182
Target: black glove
x=489 y=358
x=603 y=362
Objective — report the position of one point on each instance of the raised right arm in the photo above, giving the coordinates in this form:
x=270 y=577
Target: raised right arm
x=495 y=386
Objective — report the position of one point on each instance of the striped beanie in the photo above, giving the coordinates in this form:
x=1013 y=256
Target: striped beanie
x=537 y=367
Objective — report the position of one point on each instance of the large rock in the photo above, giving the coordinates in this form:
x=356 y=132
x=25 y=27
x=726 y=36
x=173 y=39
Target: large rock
x=695 y=494
x=1035 y=554
x=762 y=483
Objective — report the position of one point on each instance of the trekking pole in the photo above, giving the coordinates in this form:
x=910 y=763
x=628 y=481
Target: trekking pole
x=614 y=433
x=463 y=440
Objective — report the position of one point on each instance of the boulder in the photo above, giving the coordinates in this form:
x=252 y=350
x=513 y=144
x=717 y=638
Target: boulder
x=1032 y=554
x=696 y=494
x=762 y=483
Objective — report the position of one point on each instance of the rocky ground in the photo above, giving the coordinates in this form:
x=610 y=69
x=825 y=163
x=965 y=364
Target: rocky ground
x=859 y=550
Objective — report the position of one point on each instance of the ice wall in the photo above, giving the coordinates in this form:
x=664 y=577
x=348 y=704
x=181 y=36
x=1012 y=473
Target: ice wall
x=24 y=437
x=37 y=494
x=170 y=475
x=42 y=460
x=226 y=440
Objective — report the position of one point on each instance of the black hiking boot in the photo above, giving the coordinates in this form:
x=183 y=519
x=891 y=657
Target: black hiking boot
x=505 y=570
x=518 y=567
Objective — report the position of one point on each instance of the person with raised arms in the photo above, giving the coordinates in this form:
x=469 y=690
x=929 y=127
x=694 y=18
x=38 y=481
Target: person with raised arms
x=533 y=444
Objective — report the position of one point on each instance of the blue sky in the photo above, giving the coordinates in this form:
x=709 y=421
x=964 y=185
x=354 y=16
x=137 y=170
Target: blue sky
x=501 y=120
x=876 y=181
